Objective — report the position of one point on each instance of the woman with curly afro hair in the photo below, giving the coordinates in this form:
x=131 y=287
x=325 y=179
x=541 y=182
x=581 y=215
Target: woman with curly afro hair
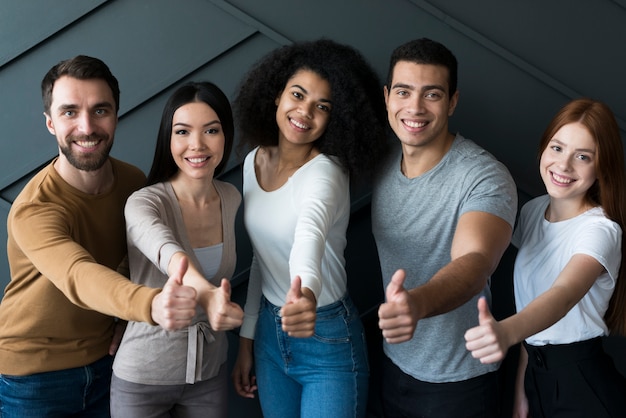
x=314 y=116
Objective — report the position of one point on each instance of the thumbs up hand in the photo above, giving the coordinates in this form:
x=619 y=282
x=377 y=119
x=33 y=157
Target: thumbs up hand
x=487 y=341
x=298 y=313
x=223 y=314
x=175 y=306
x=397 y=317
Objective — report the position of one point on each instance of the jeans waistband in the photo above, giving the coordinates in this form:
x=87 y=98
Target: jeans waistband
x=345 y=301
x=551 y=356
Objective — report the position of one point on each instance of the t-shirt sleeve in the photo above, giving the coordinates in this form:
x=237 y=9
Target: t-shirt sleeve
x=491 y=189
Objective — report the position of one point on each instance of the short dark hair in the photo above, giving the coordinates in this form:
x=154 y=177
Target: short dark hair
x=81 y=67
x=355 y=133
x=163 y=164
x=425 y=51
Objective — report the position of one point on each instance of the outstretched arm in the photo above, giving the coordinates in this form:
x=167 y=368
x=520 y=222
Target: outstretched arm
x=479 y=242
x=490 y=340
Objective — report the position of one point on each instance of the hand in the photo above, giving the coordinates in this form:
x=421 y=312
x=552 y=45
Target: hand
x=223 y=314
x=396 y=317
x=520 y=407
x=487 y=341
x=175 y=306
x=244 y=382
x=298 y=313
x=118 y=333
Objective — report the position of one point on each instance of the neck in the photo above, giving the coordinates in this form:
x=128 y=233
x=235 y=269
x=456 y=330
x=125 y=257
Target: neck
x=91 y=182
x=562 y=210
x=417 y=160
x=197 y=191
x=288 y=156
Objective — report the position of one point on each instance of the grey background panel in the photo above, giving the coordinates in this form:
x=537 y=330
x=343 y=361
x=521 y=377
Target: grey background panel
x=28 y=26
x=519 y=62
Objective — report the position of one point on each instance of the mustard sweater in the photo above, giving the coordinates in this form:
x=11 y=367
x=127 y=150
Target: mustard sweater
x=64 y=247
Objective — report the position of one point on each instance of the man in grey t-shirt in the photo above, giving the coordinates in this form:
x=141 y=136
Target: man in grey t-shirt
x=443 y=210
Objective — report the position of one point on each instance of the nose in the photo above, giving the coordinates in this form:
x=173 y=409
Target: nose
x=196 y=142
x=417 y=104
x=306 y=109
x=565 y=162
x=86 y=124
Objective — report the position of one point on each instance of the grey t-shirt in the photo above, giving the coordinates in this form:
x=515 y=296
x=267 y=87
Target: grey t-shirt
x=413 y=221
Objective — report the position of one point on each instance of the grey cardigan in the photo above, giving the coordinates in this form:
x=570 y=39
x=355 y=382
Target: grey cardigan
x=155 y=231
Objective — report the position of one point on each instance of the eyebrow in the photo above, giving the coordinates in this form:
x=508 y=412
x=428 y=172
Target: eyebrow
x=213 y=122
x=71 y=106
x=306 y=92
x=424 y=88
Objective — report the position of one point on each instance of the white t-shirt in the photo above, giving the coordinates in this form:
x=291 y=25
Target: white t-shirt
x=544 y=250
x=298 y=229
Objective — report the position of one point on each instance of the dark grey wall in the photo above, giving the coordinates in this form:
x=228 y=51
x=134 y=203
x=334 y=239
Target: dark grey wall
x=519 y=62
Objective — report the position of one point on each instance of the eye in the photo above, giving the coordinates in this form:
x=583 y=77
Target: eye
x=324 y=108
x=100 y=112
x=433 y=95
x=583 y=157
x=212 y=131
x=181 y=132
x=555 y=148
x=297 y=95
x=402 y=93
x=69 y=113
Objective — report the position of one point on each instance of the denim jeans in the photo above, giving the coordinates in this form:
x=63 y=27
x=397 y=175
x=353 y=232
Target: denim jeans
x=77 y=392
x=323 y=376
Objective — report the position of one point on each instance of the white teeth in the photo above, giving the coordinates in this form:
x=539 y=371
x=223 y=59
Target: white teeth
x=564 y=180
x=412 y=124
x=299 y=124
x=87 y=144
x=197 y=160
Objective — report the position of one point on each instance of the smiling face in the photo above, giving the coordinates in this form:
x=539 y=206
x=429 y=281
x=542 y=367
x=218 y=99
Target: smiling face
x=419 y=104
x=83 y=119
x=197 y=141
x=303 y=108
x=567 y=164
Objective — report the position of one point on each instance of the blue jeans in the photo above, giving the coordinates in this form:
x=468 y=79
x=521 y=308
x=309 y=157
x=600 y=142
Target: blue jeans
x=323 y=376
x=77 y=392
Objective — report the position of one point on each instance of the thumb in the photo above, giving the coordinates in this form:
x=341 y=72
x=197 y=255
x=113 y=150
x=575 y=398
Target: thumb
x=295 y=290
x=225 y=288
x=176 y=279
x=396 y=285
x=484 y=314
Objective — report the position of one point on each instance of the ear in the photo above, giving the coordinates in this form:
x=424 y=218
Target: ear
x=49 y=124
x=277 y=99
x=454 y=100
x=386 y=94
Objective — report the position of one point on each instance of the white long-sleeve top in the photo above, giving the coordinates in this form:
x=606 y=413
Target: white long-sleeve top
x=297 y=230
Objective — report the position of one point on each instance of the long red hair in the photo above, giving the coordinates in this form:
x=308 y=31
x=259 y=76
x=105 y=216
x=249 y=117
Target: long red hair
x=609 y=190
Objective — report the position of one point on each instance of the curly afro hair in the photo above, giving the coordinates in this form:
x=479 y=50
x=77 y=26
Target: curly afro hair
x=356 y=128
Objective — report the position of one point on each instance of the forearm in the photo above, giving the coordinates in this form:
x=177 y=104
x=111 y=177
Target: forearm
x=193 y=278
x=452 y=286
x=540 y=314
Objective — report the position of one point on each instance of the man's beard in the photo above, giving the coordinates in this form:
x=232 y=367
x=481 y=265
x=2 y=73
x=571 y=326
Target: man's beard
x=87 y=162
